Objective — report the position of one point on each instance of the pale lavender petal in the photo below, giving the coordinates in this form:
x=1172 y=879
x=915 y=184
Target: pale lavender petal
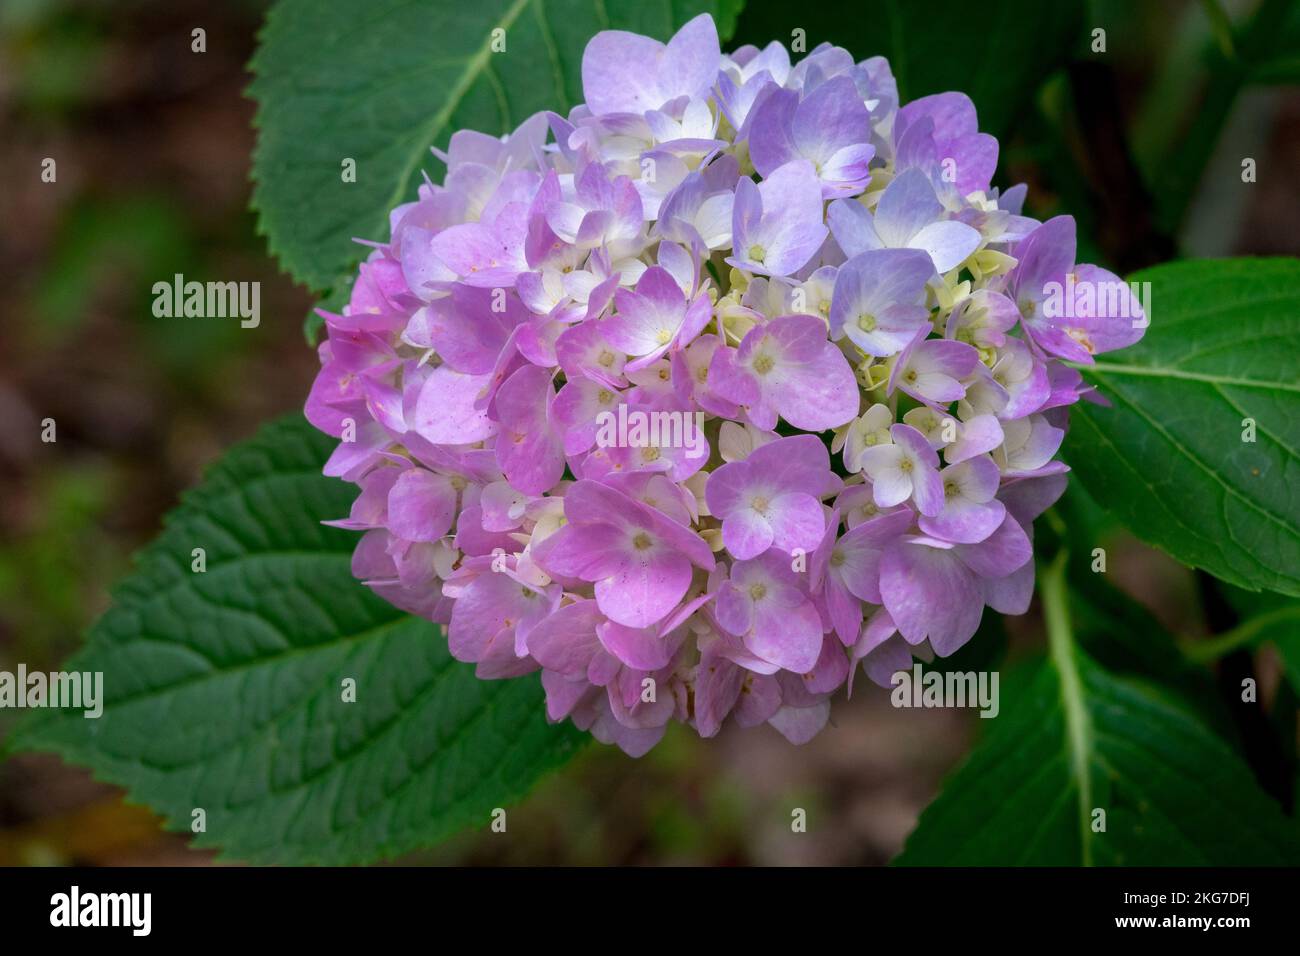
x=907 y=206
x=771 y=133
x=979 y=435
x=1003 y=552
x=948 y=243
x=931 y=595
x=853 y=227
x=801 y=724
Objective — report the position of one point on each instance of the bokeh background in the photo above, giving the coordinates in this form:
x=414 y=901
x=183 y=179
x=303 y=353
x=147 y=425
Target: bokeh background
x=152 y=145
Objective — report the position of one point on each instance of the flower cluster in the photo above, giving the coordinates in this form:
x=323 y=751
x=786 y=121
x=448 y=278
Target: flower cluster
x=845 y=340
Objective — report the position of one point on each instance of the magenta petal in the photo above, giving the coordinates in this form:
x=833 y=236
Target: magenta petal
x=726 y=488
x=640 y=648
x=828 y=674
x=528 y=450
x=795 y=463
x=797 y=522
x=788 y=637
x=811 y=383
x=591 y=501
x=563 y=694
x=717 y=688
x=735 y=610
x=643 y=592
x=845 y=610
x=746 y=534
x=421 y=506
x=588 y=552
x=446 y=412
x=491 y=604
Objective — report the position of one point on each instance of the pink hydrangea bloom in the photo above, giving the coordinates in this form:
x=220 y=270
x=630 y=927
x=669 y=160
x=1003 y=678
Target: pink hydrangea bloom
x=736 y=378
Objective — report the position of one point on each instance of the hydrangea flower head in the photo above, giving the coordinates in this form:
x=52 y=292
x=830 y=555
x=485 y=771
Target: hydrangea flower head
x=738 y=377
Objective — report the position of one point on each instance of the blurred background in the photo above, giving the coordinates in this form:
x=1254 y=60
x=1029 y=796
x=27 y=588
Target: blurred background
x=152 y=146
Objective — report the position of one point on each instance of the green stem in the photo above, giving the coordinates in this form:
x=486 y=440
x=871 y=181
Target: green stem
x=1203 y=652
x=1078 y=726
x=1056 y=523
x=1221 y=27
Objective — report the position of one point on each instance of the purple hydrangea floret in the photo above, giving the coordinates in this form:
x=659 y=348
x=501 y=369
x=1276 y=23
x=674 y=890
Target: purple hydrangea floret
x=737 y=377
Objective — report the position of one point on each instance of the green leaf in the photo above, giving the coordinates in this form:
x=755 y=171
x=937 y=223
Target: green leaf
x=997 y=53
x=1072 y=739
x=383 y=82
x=223 y=689
x=1169 y=458
x=1174 y=794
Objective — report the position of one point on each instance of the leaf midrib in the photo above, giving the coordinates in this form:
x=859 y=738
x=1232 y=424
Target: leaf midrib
x=1151 y=371
x=217 y=673
x=474 y=66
